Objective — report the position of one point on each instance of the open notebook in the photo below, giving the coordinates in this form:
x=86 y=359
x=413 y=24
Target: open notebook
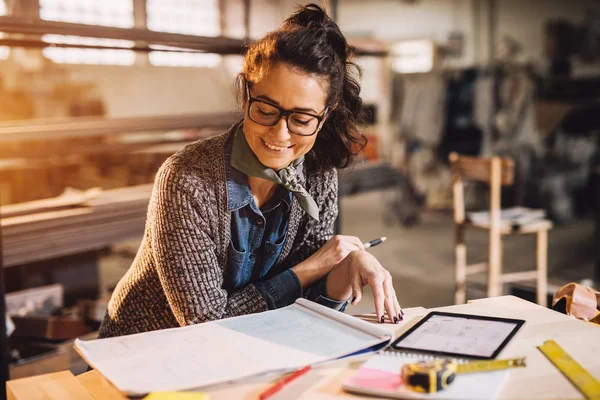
x=194 y=356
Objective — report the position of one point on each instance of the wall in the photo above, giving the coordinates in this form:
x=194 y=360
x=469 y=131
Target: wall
x=395 y=20
x=524 y=20
x=139 y=90
x=145 y=91
x=435 y=19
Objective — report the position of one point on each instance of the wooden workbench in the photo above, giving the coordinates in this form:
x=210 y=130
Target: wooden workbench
x=539 y=380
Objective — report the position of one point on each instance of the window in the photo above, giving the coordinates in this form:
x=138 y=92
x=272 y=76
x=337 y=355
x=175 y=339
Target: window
x=192 y=17
x=116 y=13
x=413 y=56
x=4 y=50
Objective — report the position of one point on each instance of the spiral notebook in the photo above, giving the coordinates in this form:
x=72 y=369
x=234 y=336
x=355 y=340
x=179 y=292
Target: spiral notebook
x=461 y=337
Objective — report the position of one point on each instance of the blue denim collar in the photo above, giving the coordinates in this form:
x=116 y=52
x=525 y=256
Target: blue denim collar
x=238 y=190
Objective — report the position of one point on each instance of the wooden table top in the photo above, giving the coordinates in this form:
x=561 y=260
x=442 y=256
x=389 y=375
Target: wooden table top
x=539 y=380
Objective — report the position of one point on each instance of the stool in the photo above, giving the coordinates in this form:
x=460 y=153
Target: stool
x=496 y=172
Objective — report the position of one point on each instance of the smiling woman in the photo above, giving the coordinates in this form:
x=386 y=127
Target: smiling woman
x=243 y=222
x=282 y=122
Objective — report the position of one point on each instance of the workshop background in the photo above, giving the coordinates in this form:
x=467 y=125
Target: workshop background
x=95 y=95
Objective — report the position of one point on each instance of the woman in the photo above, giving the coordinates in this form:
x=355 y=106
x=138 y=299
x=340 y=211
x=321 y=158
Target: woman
x=242 y=222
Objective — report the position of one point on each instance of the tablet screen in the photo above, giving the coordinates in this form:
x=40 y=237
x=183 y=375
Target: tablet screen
x=459 y=335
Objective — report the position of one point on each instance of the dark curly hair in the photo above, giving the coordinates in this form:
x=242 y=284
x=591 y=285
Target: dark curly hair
x=311 y=42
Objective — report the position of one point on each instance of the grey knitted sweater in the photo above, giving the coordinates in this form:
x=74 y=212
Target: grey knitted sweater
x=177 y=276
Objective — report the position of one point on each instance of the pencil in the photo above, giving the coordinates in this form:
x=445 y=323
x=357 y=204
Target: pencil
x=375 y=242
x=279 y=385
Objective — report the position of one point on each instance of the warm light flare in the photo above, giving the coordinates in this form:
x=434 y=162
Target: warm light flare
x=4 y=50
x=115 y=13
x=193 y=17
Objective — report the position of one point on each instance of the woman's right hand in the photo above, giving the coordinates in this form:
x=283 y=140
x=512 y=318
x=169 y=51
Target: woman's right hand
x=326 y=258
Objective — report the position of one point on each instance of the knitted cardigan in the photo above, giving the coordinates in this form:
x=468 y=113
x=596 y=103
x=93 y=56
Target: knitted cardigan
x=176 y=278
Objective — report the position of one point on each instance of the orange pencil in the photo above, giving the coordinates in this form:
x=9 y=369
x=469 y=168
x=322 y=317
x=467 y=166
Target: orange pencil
x=279 y=385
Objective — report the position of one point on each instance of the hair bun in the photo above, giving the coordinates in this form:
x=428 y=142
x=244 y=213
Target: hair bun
x=308 y=16
x=313 y=16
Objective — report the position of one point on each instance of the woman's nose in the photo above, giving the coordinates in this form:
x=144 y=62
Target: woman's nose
x=280 y=130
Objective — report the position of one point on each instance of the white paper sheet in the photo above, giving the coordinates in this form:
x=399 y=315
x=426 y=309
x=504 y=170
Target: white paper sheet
x=225 y=350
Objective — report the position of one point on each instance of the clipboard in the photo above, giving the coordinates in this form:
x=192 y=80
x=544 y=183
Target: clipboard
x=459 y=336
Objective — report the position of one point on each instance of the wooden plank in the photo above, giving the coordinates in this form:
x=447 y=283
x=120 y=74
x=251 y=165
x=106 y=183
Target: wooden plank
x=495 y=268
x=106 y=218
x=99 y=387
x=479 y=168
x=542 y=268
x=460 y=248
x=56 y=386
x=477 y=268
x=518 y=276
x=69 y=198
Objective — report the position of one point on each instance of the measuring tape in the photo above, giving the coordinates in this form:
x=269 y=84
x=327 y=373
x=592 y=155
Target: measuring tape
x=433 y=376
x=579 y=377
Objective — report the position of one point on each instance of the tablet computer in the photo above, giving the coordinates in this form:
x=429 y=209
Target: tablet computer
x=459 y=335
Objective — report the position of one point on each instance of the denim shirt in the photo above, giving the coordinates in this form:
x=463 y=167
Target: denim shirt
x=257 y=237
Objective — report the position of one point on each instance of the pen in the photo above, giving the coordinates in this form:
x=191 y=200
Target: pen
x=279 y=385
x=375 y=242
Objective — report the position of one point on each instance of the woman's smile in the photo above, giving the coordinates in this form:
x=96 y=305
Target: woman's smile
x=276 y=148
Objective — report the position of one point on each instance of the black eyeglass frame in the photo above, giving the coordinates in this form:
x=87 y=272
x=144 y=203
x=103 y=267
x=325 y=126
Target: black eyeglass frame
x=285 y=113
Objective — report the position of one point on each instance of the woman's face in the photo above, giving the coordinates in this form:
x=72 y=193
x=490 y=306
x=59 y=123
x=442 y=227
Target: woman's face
x=275 y=146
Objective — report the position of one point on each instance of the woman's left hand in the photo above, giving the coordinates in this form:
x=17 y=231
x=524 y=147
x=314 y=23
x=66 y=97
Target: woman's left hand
x=360 y=269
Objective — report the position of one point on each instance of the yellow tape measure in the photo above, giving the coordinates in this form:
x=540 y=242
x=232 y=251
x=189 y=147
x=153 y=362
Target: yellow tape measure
x=579 y=376
x=433 y=376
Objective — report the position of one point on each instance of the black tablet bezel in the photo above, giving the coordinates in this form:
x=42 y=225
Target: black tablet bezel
x=517 y=322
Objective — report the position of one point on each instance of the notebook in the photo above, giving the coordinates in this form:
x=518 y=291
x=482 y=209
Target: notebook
x=461 y=337
x=282 y=340
x=515 y=216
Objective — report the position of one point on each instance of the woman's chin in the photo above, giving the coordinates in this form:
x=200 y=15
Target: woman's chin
x=274 y=162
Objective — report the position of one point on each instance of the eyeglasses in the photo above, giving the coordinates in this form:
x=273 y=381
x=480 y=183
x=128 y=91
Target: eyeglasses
x=298 y=122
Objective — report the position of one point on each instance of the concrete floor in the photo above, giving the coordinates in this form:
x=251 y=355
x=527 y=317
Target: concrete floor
x=420 y=258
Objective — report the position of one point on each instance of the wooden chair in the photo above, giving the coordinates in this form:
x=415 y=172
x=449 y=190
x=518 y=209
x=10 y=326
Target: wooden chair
x=496 y=172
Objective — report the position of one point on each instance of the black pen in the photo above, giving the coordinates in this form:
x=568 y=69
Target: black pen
x=374 y=242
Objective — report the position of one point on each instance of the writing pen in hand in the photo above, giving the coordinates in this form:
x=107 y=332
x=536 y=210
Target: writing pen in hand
x=279 y=385
x=374 y=242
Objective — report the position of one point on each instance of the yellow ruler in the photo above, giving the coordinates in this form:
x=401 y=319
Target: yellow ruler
x=579 y=376
x=489 y=365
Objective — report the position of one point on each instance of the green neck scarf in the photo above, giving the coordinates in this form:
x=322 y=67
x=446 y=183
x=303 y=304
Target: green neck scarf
x=244 y=160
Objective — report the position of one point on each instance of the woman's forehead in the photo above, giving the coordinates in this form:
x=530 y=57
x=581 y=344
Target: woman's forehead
x=290 y=88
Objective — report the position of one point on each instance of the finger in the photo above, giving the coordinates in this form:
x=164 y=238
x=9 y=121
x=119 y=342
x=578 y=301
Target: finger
x=397 y=307
x=355 y=242
x=399 y=311
x=379 y=298
x=356 y=292
x=390 y=305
